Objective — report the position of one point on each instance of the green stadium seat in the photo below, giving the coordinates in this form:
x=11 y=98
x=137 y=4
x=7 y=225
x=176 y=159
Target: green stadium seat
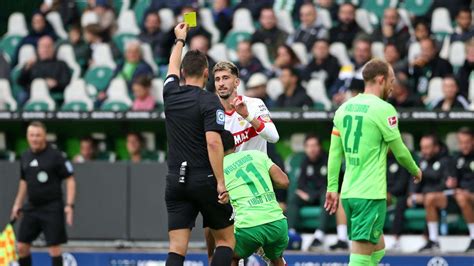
x=36 y=107
x=234 y=37
x=81 y=5
x=99 y=77
x=121 y=39
x=376 y=6
x=75 y=107
x=415 y=219
x=115 y=106
x=417 y=7
x=139 y=8
x=9 y=45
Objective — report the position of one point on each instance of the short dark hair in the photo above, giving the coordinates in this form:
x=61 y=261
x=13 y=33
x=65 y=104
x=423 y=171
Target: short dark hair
x=294 y=58
x=466 y=131
x=38 y=124
x=374 y=68
x=194 y=63
x=434 y=138
x=89 y=139
x=311 y=136
x=139 y=136
x=464 y=9
x=293 y=71
x=227 y=140
x=143 y=80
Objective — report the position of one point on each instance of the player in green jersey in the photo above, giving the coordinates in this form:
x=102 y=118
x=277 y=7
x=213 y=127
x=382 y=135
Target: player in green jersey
x=259 y=221
x=365 y=127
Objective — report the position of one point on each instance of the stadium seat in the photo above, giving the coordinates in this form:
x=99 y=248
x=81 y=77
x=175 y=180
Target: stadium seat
x=89 y=18
x=260 y=51
x=167 y=19
x=415 y=219
x=441 y=23
x=157 y=92
x=127 y=23
x=378 y=49
x=317 y=91
x=471 y=89
x=377 y=7
x=452 y=142
x=40 y=99
x=99 y=77
x=140 y=8
x=297 y=142
x=81 y=5
x=243 y=21
x=339 y=50
x=76 y=97
x=218 y=52
x=285 y=21
x=406 y=19
x=56 y=22
x=207 y=22
x=117 y=96
x=234 y=37
x=324 y=17
x=121 y=40
x=409 y=140
x=9 y=45
x=417 y=7
x=147 y=55
x=413 y=51
x=457 y=54
x=274 y=88
x=17 y=25
x=301 y=52
x=445 y=47
x=27 y=52
x=66 y=53
x=435 y=90
x=6 y=95
x=102 y=56
x=362 y=18
x=121 y=6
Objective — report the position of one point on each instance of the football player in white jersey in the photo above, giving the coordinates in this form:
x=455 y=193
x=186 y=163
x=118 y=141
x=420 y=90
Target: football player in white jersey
x=247 y=118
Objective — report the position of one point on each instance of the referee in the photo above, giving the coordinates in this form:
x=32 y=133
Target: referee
x=195 y=180
x=43 y=168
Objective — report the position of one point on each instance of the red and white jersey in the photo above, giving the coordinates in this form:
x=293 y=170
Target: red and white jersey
x=245 y=135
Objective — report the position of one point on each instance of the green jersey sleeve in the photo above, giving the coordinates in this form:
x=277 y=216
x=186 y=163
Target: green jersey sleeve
x=387 y=122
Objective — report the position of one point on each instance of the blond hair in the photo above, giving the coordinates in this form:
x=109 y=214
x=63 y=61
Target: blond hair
x=226 y=66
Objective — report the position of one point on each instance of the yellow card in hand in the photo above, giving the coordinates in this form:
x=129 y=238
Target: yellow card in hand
x=190 y=19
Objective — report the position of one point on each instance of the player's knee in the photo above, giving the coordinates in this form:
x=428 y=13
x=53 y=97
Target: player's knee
x=462 y=200
x=23 y=249
x=54 y=251
x=429 y=200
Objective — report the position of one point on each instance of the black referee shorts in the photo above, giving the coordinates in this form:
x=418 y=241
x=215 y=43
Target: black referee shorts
x=48 y=219
x=198 y=194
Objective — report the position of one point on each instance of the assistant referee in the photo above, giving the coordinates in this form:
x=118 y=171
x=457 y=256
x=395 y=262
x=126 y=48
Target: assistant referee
x=195 y=180
x=43 y=168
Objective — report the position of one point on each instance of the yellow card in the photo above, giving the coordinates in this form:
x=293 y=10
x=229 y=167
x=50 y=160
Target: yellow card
x=190 y=19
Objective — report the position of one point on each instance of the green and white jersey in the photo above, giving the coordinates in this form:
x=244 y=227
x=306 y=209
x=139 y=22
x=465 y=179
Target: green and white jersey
x=248 y=181
x=366 y=124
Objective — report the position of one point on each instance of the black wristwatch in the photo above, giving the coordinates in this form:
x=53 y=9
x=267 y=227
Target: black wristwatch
x=180 y=40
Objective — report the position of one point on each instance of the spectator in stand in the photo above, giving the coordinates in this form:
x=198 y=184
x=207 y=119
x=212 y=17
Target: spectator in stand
x=247 y=63
x=398 y=183
x=255 y=6
x=144 y=101
x=310 y=29
x=82 y=51
x=175 y=5
x=202 y=43
x=393 y=57
x=105 y=15
x=464 y=73
x=93 y=37
x=324 y=66
x=135 y=148
x=257 y=88
x=350 y=76
x=346 y=29
x=133 y=66
x=393 y=30
x=465 y=180
x=160 y=41
x=67 y=9
x=39 y=28
x=329 y=5
x=451 y=100
x=427 y=66
x=438 y=175
x=402 y=96
x=55 y=72
x=464 y=29
x=294 y=95
x=311 y=190
x=268 y=33
x=87 y=150
x=222 y=14
x=286 y=57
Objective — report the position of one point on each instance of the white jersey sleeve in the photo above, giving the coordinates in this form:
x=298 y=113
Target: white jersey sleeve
x=260 y=111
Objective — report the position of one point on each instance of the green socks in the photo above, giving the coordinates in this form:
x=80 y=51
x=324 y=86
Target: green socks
x=359 y=260
x=377 y=257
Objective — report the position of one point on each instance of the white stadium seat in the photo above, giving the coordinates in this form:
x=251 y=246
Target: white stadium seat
x=362 y=18
x=66 y=54
x=218 y=52
x=243 y=21
x=378 y=49
x=339 y=50
x=40 y=94
x=317 y=91
x=441 y=21
x=157 y=90
x=167 y=19
x=285 y=21
x=27 y=52
x=56 y=22
x=457 y=54
x=274 y=88
x=324 y=17
x=435 y=90
x=118 y=92
x=102 y=56
x=17 y=25
x=414 y=51
x=6 y=95
x=301 y=52
x=260 y=51
x=127 y=23
x=76 y=91
x=207 y=22
x=147 y=55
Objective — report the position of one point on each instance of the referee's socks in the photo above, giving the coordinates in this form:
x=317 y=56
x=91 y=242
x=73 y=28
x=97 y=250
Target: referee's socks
x=174 y=259
x=222 y=257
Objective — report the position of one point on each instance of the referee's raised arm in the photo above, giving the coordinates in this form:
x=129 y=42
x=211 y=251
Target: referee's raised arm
x=180 y=31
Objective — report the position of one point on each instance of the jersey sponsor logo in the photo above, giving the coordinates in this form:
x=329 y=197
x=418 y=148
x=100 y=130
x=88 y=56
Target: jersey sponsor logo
x=244 y=136
x=220 y=117
x=168 y=80
x=392 y=121
x=34 y=163
x=42 y=177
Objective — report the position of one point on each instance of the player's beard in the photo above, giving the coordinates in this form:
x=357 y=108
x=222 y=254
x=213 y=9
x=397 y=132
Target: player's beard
x=225 y=96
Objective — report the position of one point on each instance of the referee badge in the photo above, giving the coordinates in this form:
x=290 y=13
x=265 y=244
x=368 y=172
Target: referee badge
x=42 y=177
x=220 y=117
